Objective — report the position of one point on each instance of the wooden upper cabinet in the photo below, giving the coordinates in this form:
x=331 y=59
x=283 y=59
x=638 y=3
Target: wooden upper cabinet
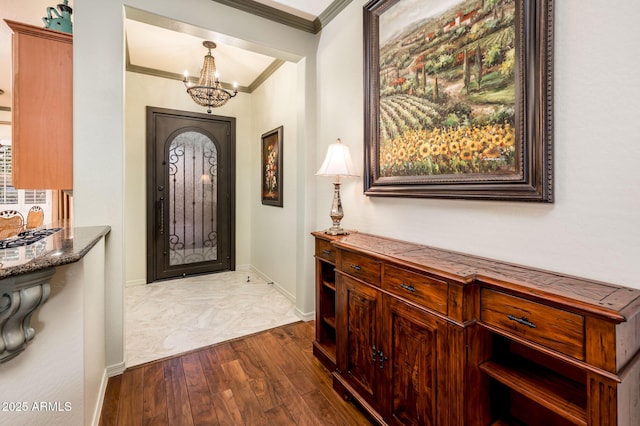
x=42 y=108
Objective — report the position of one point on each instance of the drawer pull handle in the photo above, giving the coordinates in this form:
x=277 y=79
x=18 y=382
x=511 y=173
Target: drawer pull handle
x=408 y=287
x=327 y=252
x=374 y=354
x=356 y=267
x=523 y=321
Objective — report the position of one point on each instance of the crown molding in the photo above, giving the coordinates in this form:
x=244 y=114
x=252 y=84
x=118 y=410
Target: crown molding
x=266 y=74
x=263 y=11
x=270 y=13
x=276 y=15
x=173 y=76
x=329 y=13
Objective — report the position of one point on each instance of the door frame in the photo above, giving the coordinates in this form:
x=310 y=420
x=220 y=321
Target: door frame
x=151 y=153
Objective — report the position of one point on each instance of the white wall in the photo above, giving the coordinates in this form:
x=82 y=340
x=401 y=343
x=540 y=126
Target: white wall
x=64 y=364
x=264 y=238
x=53 y=359
x=94 y=351
x=273 y=248
x=142 y=91
x=98 y=149
x=99 y=123
x=589 y=231
x=592 y=228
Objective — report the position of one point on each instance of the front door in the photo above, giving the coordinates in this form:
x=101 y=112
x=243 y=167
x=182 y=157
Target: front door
x=190 y=193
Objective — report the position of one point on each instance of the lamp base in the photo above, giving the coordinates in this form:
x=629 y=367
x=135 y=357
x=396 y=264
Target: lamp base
x=336 y=231
x=336 y=211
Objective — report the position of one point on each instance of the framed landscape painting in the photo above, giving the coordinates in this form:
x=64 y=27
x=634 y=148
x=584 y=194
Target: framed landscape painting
x=272 y=167
x=458 y=99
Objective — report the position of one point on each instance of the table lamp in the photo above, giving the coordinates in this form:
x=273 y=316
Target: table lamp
x=337 y=163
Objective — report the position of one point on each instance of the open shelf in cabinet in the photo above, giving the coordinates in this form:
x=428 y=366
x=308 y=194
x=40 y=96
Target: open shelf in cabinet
x=329 y=285
x=329 y=321
x=324 y=345
x=537 y=389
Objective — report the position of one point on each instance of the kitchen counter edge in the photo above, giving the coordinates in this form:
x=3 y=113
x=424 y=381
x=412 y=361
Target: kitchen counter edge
x=70 y=244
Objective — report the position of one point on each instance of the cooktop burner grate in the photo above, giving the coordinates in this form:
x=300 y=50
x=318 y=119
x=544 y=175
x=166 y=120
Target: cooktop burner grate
x=27 y=237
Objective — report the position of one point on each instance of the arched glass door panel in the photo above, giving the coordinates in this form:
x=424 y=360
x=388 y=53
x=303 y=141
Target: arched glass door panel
x=193 y=185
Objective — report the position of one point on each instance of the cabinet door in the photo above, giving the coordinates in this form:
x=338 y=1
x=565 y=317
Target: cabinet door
x=359 y=308
x=42 y=108
x=413 y=343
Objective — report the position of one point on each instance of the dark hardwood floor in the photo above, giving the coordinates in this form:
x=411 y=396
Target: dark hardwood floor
x=269 y=378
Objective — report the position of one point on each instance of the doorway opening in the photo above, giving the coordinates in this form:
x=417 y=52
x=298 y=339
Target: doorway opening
x=190 y=193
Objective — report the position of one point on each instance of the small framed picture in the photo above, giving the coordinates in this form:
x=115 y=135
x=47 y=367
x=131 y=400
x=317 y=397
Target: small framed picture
x=272 y=167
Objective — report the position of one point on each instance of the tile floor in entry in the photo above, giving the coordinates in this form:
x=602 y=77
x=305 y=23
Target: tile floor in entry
x=170 y=317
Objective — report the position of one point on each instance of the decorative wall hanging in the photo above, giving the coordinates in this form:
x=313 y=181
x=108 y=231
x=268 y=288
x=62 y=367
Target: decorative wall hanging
x=458 y=99
x=272 y=167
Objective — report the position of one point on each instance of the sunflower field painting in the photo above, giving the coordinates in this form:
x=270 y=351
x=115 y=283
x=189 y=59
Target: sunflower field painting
x=447 y=89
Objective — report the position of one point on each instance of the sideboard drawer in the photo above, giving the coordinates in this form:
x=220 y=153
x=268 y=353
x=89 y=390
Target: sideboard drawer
x=363 y=267
x=423 y=290
x=325 y=250
x=554 y=328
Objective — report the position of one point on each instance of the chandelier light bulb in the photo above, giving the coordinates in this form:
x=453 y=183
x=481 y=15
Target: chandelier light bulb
x=186 y=79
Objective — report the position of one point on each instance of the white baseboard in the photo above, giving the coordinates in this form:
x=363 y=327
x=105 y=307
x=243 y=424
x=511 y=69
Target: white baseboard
x=285 y=293
x=277 y=286
x=135 y=283
x=98 y=409
x=308 y=316
x=244 y=267
x=258 y=272
x=115 y=369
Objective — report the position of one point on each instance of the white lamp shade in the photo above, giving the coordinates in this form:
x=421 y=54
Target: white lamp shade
x=337 y=162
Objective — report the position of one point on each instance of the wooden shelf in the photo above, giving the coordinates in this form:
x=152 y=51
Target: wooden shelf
x=330 y=285
x=330 y=321
x=324 y=345
x=327 y=350
x=552 y=391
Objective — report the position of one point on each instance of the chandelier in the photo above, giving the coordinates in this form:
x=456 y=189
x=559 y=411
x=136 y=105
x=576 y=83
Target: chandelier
x=209 y=91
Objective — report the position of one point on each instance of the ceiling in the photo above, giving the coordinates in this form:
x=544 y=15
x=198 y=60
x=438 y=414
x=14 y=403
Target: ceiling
x=153 y=48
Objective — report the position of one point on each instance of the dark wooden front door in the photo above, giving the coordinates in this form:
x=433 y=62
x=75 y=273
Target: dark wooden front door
x=190 y=193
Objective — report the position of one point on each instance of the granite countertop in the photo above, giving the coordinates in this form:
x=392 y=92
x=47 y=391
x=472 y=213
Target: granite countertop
x=65 y=246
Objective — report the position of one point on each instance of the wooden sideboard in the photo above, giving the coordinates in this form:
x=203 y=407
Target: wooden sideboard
x=423 y=336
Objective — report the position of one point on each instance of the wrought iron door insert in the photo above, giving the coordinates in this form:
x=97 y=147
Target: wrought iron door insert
x=190 y=193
